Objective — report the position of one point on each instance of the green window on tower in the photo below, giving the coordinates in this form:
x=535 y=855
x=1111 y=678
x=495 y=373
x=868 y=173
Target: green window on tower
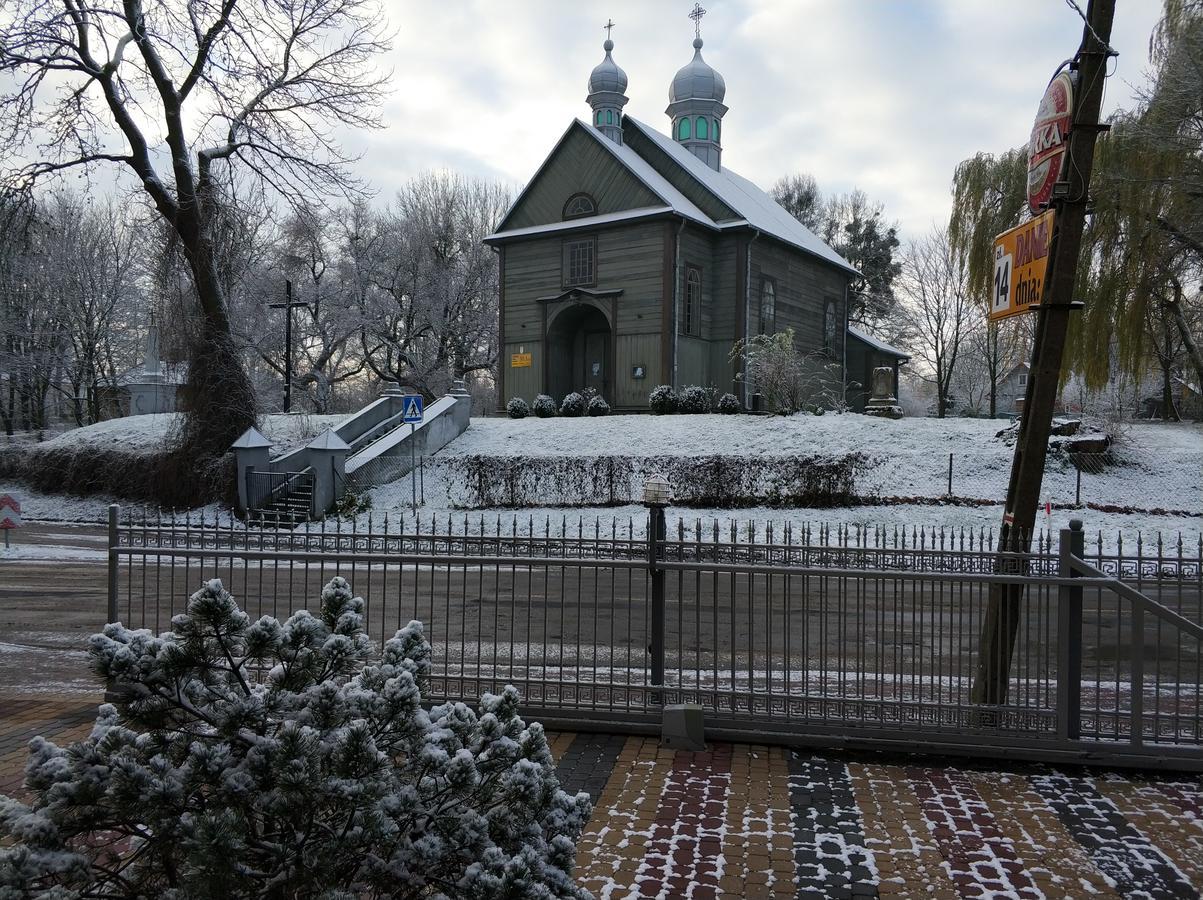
x=703 y=130
x=599 y=117
x=609 y=117
x=684 y=131
x=716 y=131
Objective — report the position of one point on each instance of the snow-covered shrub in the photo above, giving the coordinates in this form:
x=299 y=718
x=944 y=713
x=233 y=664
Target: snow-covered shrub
x=517 y=408
x=545 y=407
x=663 y=400
x=598 y=406
x=728 y=404
x=573 y=405
x=789 y=381
x=326 y=778
x=694 y=400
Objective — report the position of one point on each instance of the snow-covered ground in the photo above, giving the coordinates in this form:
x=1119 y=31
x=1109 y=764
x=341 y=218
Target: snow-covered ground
x=137 y=434
x=1161 y=468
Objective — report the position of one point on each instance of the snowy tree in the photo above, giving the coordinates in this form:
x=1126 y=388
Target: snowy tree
x=323 y=777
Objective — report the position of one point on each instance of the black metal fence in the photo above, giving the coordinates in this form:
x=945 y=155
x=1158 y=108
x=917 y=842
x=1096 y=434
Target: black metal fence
x=843 y=636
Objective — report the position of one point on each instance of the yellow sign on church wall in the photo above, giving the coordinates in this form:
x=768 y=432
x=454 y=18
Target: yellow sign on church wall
x=520 y=360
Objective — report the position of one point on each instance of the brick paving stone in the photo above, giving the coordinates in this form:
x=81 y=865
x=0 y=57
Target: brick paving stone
x=979 y=857
x=1054 y=860
x=1123 y=854
x=587 y=762
x=829 y=840
x=1156 y=811
x=897 y=834
x=757 y=844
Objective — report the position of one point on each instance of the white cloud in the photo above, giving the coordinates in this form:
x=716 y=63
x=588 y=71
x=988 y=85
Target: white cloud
x=887 y=96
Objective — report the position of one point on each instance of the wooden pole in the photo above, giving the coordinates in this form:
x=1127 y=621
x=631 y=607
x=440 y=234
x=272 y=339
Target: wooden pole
x=1001 y=623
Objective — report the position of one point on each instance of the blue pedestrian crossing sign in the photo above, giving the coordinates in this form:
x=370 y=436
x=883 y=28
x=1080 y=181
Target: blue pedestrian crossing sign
x=411 y=408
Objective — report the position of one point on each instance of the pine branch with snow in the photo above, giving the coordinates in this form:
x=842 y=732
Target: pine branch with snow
x=290 y=759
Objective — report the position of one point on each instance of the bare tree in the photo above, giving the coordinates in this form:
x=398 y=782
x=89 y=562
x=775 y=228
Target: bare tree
x=938 y=309
x=433 y=314
x=256 y=85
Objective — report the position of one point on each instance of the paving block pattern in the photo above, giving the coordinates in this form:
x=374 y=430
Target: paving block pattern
x=753 y=821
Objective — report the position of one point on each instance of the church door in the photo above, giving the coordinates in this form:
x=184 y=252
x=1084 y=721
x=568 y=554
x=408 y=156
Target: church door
x=578 y=353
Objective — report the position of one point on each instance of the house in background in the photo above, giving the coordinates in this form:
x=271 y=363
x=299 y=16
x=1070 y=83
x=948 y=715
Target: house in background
x=635 y=258
x=1012 y=388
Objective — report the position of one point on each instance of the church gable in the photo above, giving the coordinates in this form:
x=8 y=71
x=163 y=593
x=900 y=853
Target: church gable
x=580 y=170
x=672 y=172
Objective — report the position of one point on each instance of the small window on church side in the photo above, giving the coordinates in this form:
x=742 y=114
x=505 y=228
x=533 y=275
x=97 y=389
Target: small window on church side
x=768 y=305
x=579 y=205
x=579 y=259
x=691 y=311
x=684 y=131
x=830 y=327
x=703 y=129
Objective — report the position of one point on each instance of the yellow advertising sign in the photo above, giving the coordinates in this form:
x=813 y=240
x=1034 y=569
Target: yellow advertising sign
x=520 y=360
x=1020 y=261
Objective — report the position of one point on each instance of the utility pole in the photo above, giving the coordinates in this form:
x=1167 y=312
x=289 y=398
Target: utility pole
x=288 y=306
x=1070 y=197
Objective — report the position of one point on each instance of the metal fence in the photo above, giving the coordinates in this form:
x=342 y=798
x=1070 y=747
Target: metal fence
x=831 y=636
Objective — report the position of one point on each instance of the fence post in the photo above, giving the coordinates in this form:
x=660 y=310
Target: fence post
x=1069 y=632
x=949 y=474
x=655 y=498
x=1078 y=486
x=114 y=516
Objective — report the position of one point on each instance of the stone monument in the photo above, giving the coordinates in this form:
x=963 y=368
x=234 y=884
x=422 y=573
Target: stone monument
x=152 y=391
x=882 y=401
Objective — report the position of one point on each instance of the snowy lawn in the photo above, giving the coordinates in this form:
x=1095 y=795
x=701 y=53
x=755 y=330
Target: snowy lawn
x=140 y=434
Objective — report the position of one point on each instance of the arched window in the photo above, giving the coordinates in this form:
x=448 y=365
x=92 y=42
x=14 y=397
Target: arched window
x=684 y=129
x=717 y=132
x=768 y=306
x=830 y=327
x=691 y=311
x=599 y=117
x=579 y=205
x=703 y=129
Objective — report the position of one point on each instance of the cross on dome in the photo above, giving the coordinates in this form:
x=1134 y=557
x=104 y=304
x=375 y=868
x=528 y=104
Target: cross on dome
x=696 y=14
x=608 y=26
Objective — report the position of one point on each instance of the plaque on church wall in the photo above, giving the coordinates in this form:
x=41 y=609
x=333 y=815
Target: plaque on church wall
x=520 y=360
x=637 y=372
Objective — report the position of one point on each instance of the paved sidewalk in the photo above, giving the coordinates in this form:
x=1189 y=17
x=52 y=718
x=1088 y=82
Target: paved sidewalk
x=743 y=820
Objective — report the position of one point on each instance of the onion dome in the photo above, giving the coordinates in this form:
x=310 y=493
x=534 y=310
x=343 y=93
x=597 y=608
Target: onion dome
x=697 y=80
x=608 y=76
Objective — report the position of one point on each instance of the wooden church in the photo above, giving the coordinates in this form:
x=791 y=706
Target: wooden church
x=634 y=258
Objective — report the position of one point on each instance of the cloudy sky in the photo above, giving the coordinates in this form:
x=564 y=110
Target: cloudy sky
x=885 y=96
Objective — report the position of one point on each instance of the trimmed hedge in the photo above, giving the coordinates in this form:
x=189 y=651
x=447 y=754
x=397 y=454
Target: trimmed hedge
x=729 y=405
x=573 y=406
x=663 y=400
x=694 y=400
x=517 y=408
x=598 y=406
x=545 y=407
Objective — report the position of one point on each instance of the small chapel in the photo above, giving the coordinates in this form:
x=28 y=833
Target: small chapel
x=635 y=258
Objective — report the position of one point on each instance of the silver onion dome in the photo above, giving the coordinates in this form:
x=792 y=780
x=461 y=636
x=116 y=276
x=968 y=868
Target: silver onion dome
x=608 y=76
x=697 y=80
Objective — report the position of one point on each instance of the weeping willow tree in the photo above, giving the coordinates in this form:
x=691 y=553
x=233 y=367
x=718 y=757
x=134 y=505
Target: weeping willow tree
x=989 y=195
x=1144 y=240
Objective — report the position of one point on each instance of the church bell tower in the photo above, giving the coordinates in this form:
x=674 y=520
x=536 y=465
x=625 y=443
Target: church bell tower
x=695 y=103
x=607 y=93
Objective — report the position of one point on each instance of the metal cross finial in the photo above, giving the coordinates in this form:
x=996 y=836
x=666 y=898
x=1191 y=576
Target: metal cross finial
x=608 y=26
x=696 y=14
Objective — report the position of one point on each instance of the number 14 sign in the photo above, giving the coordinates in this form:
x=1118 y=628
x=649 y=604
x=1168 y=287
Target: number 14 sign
x=1020 y=263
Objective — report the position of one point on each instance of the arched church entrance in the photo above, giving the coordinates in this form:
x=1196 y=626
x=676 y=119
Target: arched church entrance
x=578 y=352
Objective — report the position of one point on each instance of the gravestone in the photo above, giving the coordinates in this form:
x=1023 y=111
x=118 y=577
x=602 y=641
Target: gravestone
x=882 y=401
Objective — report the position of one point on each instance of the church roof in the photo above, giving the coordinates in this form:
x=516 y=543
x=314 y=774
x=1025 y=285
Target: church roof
x=754 y=207
x=877 y=343
x=758 y=209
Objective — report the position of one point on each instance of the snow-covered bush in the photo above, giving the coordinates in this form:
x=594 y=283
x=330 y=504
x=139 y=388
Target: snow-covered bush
x=694 y=400
x=573 y=405
x=728 y=404
x=545 y=407
x=663 y=400
x=517 y=408
x=598 y=406
x=325 y=778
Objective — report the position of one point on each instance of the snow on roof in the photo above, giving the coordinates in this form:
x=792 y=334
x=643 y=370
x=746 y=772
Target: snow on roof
x=582 y=222
x=877 y=343
x=759 y=209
